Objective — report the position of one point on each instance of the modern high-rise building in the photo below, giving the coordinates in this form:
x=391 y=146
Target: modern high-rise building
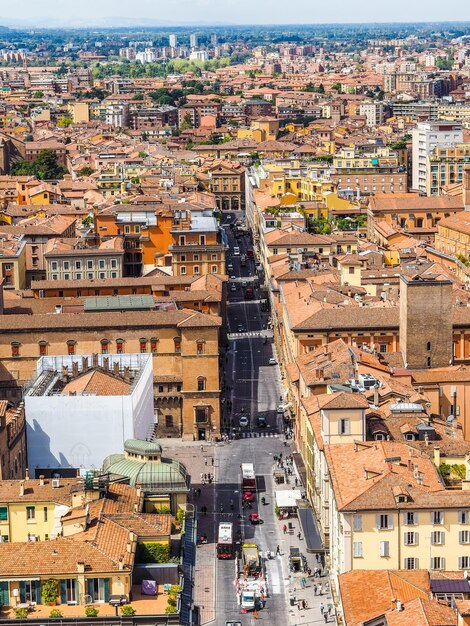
x=193 y=40
x=173 y=40
x=214 y=40
x=426 y=136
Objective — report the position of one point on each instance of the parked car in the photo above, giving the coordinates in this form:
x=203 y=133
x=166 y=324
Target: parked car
x=261 y=421
x=272 y=361
x=236 y=251
x=240 y=328
x=243 y=421
x=248 y=496
x=233 y=287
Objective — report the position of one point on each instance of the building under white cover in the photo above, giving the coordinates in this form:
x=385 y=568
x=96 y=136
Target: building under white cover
x=81 y=409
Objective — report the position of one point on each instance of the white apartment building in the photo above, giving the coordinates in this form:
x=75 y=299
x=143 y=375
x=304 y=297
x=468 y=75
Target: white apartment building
x=173 y=41
x=198 y=55
x=373 y=111
x=425 y=137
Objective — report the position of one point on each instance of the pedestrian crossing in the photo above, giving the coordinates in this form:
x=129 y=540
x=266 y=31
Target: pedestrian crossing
x=248 y=334
x=251 y=435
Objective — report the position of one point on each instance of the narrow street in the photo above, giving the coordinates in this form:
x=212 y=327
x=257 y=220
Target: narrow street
x=254 y=389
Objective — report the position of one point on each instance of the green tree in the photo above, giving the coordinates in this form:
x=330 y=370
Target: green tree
x=336 y=87
x=138 y=96
x=187 y=122
x=47 y=167
x=321 y=88
x=37 y=95
x=64 y=122
x=85 y=171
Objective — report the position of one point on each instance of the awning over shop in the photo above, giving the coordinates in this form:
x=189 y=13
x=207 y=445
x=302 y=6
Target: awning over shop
x=300 y=466
x=308 y=523
x=287 y=498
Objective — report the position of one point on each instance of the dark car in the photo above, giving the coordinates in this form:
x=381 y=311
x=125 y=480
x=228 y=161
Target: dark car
x=261 y=421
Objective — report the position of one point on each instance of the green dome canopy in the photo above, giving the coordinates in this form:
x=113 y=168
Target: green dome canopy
x=143 y=464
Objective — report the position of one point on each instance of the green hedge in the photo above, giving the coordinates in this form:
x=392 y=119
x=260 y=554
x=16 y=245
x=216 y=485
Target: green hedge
x=152 y=552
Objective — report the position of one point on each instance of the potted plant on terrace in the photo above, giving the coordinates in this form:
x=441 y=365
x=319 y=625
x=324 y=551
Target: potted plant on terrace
x=50 y=592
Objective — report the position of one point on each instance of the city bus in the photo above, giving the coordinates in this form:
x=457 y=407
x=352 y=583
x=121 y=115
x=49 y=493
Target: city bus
x=225 y=541
x=248 y=477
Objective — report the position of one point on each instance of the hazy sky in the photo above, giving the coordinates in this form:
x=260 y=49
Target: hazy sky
x=154 y=12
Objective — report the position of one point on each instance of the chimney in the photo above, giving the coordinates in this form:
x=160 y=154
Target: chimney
x=410 y=465
x=466 y=188
x=121 y=563
x=80 y=567
x=65 y=374
x=127 y=373
x=41 y=480
x=116 y=368
x=106 y=363
x=95 y=360
x=437 y=456
x=21 y=488
x=376 y=395
x=128 y=546
x=26 y=473
x=84 y=364
x=74 y=369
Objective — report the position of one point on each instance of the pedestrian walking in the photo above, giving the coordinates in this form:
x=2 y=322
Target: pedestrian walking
x=314 y=590
x=320 y=590
x=255 y=614
x=278 y=551
x=304 y=604
x=296 y=482
x=205 y=460
x=299 y=605
x=325 y=617
x=202 y=475
x=299 y=535
x=302 y=582
x=202 y=448
x=284 y=529
x=322 y=607
x=212 y=460
x=330 y=607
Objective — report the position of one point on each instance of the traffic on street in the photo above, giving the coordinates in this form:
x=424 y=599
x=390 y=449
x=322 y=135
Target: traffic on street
x=256 y=577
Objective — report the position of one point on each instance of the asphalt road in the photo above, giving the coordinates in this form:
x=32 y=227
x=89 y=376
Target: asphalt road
x=252 y=386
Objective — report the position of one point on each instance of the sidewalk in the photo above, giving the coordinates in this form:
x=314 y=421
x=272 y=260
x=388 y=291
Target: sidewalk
x=295 y=591
x=191 y=455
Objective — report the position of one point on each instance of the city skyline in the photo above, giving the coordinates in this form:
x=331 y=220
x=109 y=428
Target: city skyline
x=55 y=13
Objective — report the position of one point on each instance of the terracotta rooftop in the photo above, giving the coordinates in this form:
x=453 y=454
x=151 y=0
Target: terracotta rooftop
x=97 y=383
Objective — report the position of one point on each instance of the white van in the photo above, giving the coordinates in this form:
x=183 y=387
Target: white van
x=236 y=251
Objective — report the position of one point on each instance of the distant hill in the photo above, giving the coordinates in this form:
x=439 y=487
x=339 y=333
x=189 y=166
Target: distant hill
x=4 y=29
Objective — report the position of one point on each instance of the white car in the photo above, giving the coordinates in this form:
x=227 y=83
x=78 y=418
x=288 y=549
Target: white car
x=243 y=421
x=272 y=361
x=236 y=251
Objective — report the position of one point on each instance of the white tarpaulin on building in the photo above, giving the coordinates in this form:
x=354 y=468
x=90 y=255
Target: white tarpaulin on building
x=287 y=497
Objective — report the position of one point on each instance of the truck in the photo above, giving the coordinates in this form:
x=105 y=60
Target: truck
x=248 y=477
x=250 y=579
x=251 y=560
x=249 y=293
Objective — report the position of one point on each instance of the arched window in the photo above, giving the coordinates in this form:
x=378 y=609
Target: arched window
x=201 y=383
x=154 y=345
x=42 y=348
x=200 y=346
x=104 y=346
x=177 y=341
x=143 y=342
x=15 y=348
x=71 y=344
x=120 y=346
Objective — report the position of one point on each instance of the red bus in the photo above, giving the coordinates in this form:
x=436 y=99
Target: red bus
x=248 y=477
x=225 y=541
